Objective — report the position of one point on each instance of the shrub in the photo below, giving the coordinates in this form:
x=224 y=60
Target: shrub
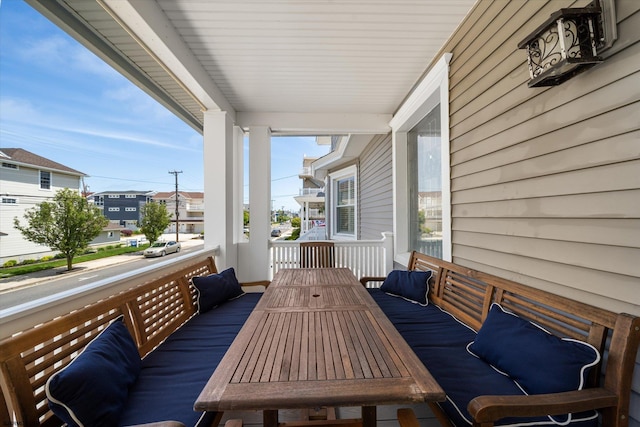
x=46 y=258
x=126 y=232
x=29 y=261
x=10 y=263
x=101 y=249
x=59 y=256
x=110 y=247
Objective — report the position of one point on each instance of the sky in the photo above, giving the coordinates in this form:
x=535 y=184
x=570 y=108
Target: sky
x=60 y=101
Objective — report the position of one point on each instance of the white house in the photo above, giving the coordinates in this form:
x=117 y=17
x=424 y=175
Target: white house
x=27 y=179
x=190 y=210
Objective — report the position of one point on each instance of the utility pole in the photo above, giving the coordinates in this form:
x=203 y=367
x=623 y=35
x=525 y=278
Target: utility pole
x=175 y=173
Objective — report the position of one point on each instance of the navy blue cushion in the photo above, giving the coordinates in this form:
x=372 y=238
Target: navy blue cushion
x=410 y=285
x=174 y=374
x=93 y=388
x=538 y=361
x=215 y=289
x=440 y=341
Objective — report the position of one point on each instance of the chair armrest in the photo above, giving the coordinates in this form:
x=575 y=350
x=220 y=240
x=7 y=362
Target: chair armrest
x=364 y=280
x=264 y=283
x=488 y=409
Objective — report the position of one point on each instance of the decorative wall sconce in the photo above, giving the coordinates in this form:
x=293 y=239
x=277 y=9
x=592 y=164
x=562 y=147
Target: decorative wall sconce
x=569 y=42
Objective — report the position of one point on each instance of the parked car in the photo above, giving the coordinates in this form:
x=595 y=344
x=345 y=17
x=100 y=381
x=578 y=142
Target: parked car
x=276 y=232
x=162 y=248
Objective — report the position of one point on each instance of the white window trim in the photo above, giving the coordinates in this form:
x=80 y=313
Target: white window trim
x=432 y=90
x=40 y=180
x=114 y=209
x=9 y=165
x=334 y=177
x=15 y=200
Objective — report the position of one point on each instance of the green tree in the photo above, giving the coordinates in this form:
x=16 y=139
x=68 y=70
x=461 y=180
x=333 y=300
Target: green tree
x=246 y=217
x=67 y=224
x=155 y=219
x=295 y=222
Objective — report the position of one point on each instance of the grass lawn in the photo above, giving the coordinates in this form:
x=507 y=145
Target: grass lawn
x=39 y=266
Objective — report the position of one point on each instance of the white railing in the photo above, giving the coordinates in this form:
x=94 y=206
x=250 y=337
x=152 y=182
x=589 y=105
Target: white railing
x=363 y=257
x=318 y=192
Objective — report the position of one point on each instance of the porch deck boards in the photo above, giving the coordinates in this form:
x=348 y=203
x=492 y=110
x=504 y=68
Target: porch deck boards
x=387 y=416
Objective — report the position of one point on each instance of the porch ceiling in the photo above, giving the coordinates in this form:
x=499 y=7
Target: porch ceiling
x=298 y=66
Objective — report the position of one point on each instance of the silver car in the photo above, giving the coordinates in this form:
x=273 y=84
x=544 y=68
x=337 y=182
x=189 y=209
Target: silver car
x=162 y=248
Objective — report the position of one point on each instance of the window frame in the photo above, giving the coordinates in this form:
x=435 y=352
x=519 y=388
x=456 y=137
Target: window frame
x=334 y=179
x=9 y=200
x=432 y=90
x=50 y=179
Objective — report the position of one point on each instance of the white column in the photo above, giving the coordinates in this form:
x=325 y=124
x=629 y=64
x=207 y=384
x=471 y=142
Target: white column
x=257 y=263
x=218 y=153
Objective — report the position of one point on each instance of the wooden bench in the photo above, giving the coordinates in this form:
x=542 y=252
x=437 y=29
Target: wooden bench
x=468 y=295
x=152 y=312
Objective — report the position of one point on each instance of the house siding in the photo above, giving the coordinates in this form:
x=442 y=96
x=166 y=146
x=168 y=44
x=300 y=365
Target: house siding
x=23 y=184
x=376 y=189
x=545 y=182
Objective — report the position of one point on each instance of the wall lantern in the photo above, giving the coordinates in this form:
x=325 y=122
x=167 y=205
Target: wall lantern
x=569 y=42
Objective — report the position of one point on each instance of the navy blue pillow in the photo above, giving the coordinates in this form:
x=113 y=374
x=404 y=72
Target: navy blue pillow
x=93 y=388
x=410 y=285
x=215 y=289
x=538 y=361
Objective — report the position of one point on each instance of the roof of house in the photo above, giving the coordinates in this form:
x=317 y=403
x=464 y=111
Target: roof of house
x=184 y=194
x=24 y=157
x=139 y=193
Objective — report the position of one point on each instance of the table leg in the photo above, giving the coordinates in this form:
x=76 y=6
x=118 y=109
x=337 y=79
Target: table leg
x=270 y=418
x=369 y=416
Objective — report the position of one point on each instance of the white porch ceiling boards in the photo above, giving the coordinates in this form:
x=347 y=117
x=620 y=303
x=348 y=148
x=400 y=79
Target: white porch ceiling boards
x=322 y=63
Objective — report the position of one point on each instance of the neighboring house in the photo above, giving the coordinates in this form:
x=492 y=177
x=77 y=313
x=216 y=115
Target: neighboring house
x=190 y=210
x=109 y=234
x=539 y=185
x=123 y=208
x=312 y=202
x=26 y=180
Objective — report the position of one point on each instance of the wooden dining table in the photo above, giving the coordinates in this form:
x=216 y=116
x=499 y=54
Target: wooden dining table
x=317 y=338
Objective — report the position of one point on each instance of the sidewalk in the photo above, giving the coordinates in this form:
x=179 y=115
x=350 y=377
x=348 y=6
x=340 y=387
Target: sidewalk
x=81 y=268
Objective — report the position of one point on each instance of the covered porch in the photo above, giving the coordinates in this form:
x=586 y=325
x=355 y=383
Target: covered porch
x=538 y=185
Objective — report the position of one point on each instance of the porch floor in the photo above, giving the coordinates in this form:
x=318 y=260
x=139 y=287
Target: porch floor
x=387 y=415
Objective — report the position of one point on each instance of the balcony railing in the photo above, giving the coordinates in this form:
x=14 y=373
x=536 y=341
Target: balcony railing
x=362 y=257
x=316 y=192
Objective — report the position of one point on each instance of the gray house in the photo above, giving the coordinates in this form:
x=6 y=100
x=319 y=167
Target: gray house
x=122 y=207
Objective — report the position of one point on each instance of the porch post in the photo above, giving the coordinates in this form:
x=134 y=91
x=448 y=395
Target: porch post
x=257 y=263
x=218 y=153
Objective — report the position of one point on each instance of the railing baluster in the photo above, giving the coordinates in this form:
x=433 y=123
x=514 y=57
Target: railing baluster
x=363 y=257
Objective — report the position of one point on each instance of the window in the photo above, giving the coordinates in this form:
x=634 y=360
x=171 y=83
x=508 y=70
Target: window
x=9 y=165
x=422 y=195
x=99 y=201
x=114 y=209
x=424 y=170
x=130 y=209
x=9 y=201
x=109 y=233
x=45 y=180
x=344 y=186
x=114 y=196
x=130 y=196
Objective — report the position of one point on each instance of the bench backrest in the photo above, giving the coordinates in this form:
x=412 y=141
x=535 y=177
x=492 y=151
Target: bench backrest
x=152 y=311
x=468 y=295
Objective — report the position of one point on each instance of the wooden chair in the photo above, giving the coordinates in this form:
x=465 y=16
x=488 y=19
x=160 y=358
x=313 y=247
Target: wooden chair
x=317 y=254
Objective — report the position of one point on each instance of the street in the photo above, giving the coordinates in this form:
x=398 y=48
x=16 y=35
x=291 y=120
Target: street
x=25 y=289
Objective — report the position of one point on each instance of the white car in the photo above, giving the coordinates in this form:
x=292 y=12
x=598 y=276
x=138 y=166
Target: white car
x=162 y=248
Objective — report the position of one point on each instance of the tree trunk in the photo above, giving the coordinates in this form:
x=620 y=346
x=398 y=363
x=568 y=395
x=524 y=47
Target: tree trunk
x=69 y=262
